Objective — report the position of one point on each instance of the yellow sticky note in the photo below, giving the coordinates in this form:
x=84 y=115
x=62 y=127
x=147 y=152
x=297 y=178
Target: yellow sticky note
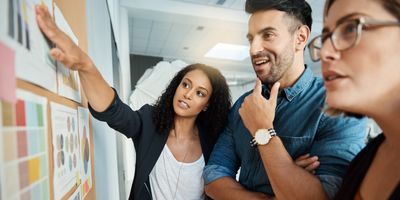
x=34 y=173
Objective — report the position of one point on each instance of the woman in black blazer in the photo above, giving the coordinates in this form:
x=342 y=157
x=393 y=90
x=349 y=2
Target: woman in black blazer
x=185 y=121
x=173 y=138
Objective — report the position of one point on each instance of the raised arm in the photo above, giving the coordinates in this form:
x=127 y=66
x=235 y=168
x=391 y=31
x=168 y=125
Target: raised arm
x=96 y=89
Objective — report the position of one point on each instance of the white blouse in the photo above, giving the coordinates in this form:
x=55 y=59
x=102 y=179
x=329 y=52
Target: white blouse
x=174 y=180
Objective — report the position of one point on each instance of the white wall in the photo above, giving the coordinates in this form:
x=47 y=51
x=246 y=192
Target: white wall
x=123 y=50
x=105 y=146
x=120 y=23
x=125 y=151
x=237 y=91
x=113 y=6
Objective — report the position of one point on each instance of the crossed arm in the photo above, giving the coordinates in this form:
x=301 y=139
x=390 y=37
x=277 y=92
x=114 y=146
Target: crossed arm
x=229 y=189
x=288 y=178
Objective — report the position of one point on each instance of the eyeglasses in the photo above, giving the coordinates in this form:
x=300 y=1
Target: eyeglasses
x=345 y=35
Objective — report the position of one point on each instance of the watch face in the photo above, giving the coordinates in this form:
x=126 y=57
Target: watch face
x=262 y=137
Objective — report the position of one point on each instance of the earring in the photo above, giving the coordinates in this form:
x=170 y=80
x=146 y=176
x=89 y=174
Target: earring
x=205 y=109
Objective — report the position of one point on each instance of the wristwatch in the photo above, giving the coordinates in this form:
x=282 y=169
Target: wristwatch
x=262 y=136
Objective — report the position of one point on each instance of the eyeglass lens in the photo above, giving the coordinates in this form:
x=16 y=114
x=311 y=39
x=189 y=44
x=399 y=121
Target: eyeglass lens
x=342 y=37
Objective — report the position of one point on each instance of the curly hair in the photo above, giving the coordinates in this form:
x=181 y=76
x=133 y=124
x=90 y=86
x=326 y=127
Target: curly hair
x=300 y=10
x=213 y=120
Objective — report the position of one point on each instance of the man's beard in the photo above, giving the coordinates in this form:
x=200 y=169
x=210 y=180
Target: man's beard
x=278 y=68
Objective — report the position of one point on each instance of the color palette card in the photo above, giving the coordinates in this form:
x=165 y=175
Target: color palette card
x=24 y=157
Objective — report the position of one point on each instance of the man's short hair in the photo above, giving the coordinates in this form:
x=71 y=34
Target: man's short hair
x=298 y=9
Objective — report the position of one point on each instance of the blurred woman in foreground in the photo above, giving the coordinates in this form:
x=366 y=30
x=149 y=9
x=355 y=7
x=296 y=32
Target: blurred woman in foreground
x=359 y=52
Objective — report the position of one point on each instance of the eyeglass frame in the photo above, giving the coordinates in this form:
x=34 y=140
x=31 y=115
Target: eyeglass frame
x=362 y=23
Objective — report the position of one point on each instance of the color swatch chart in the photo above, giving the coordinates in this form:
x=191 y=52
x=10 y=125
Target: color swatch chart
x=66 y=156
x=23 y=143
x=86 y=171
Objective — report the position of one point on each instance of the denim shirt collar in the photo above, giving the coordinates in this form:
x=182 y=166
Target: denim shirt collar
x=291 y=92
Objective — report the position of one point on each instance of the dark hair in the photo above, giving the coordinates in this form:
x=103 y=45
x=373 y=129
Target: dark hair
x=392 y=6
x=213 y=120
x=298 y=9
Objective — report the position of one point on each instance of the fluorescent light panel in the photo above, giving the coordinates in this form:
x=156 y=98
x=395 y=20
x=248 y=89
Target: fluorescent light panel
x=229 y=52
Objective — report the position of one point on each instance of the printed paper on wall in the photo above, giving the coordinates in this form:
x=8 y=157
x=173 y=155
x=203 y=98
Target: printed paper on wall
x=24 y=157
x=65 y=148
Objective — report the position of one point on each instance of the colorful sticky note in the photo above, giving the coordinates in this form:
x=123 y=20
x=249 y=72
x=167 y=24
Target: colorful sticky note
x=11 y=178
x=31 y=114
x=7 y=111
x=34 y=170
x=23 y=175
x=22 y=143
x=20 y=108
x=8 y=81
x=10 y=146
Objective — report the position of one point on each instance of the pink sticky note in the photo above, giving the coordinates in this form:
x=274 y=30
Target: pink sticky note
x=8 y=81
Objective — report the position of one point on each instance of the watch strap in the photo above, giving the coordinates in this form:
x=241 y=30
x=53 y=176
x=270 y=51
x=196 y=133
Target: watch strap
x=271 y=132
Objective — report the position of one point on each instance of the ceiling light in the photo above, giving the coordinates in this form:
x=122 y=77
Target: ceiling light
x=232 y=83
x=229 y=52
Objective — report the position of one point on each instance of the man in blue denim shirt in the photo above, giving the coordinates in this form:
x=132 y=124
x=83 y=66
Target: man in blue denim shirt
x=278 y=33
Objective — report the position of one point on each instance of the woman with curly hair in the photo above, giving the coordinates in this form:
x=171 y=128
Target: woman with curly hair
x=359 y=52
x=174 y=138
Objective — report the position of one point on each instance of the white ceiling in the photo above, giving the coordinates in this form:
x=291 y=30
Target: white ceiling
x=187 y=29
